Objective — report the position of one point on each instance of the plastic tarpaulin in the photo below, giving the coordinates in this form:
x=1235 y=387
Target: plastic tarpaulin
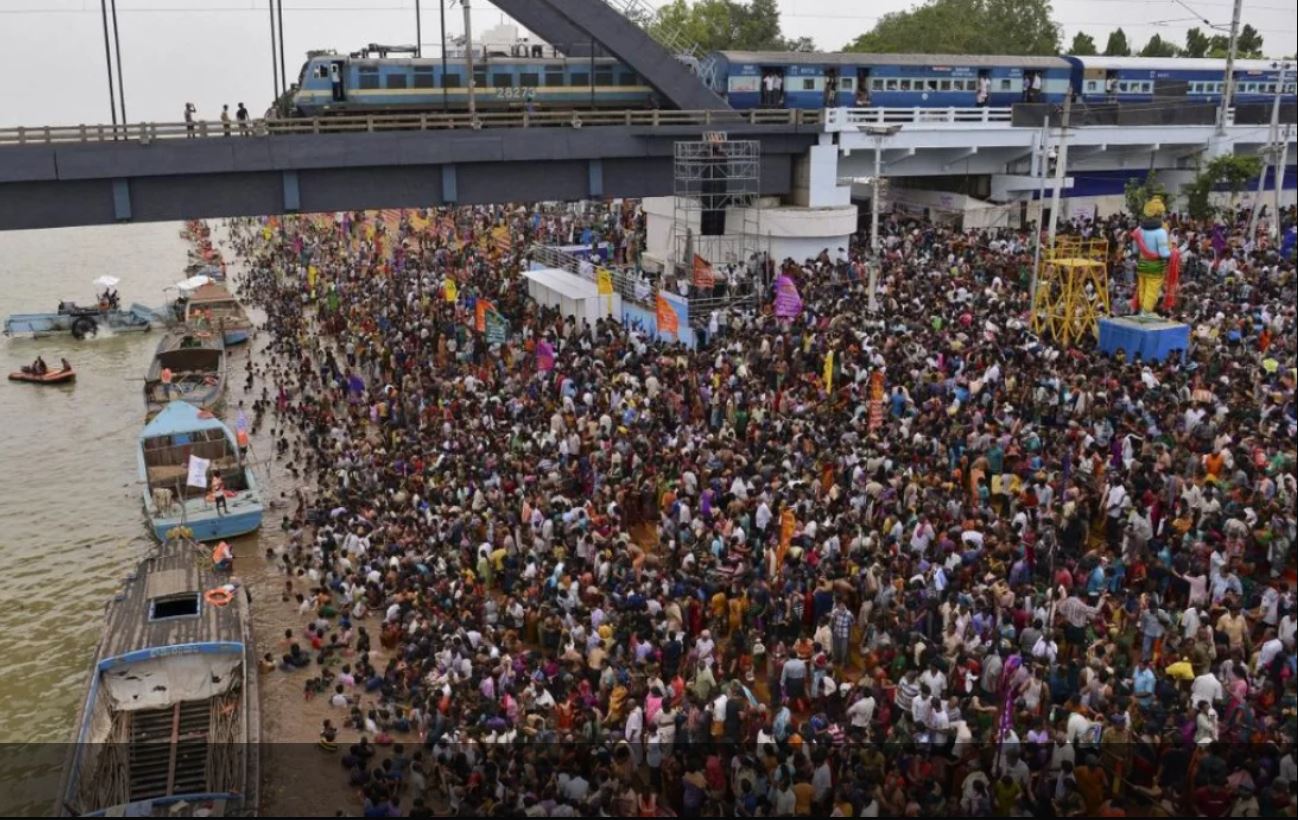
x=159 y=682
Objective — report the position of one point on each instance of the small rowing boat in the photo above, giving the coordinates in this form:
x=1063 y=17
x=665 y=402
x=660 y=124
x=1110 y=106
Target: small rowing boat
x=48 y=377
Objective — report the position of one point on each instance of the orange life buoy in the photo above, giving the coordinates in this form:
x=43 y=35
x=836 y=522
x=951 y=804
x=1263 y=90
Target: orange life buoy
x=218 y=597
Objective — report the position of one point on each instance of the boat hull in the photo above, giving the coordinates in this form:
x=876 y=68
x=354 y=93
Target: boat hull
x=236 y=337
x=43 y=324
x=52 y=377
x=245 y=516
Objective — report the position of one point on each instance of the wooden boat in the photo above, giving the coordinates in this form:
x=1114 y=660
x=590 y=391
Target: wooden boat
x=196 y=361
x=48 y=377
x=212 y=307
x=170 y=723
x=167 y=446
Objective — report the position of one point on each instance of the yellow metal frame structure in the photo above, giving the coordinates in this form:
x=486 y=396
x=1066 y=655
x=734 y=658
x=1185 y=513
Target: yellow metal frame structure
x=1062 y=309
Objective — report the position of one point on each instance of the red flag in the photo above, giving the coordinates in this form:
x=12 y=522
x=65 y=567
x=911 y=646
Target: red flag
x=703 y=276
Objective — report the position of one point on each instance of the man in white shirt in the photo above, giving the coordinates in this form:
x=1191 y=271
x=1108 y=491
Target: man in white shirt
x=861 y=712
x=1206 y=687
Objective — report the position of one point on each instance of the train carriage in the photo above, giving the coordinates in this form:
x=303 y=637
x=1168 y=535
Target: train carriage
x=334 y=84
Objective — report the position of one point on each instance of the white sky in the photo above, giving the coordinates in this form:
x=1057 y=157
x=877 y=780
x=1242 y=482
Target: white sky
x=218 y=51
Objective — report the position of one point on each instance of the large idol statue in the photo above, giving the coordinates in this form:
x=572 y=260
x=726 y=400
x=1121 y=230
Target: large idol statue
x=1159 y=265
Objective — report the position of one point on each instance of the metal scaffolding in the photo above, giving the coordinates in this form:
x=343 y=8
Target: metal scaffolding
x=716 y=218
x=1072 y=292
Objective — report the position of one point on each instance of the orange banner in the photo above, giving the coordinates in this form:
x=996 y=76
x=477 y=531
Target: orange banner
x=667 y=322
x=703 y=276
x=480 y=315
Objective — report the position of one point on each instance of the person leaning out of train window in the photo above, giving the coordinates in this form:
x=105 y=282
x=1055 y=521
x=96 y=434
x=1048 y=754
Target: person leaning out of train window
x=862 y=97
x=984 y=92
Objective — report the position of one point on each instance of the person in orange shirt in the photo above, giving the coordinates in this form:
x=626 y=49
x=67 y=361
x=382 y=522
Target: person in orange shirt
x=1213 y=464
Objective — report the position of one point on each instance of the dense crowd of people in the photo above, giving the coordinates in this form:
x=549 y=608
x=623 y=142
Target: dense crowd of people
x=915 y=562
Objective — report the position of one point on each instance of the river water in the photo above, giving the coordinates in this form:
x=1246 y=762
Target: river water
x=71 y=520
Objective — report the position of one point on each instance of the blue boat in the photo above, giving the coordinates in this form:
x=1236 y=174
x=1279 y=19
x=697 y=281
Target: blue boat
x=79 y=321
x=171 y=721
x=168 y=446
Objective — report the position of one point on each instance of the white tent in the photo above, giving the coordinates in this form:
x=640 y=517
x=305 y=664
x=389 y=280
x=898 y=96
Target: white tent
x=572 y=295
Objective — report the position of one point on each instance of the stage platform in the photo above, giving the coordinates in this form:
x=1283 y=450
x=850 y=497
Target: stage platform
x=1149 y=338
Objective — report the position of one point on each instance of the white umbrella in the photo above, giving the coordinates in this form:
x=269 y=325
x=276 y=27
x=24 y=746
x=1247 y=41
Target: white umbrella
x=193 y=282
x=107 y=281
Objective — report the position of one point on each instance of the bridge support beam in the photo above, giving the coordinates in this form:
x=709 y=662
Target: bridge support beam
x=292 y=197
x=121 y=200
x=595 y=178
x=449 y=194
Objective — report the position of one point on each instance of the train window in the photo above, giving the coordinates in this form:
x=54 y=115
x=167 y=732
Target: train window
x=904 y=85
x=1122 y=86
x=451 y=80
x=944 y=85
x=932 y=85
x=603 y=76
x=424 y=78
x=396 y=81
x=579 y=79
x=501 y=80
x=876 y=85
x=846 y=83
x=553 y=78
x=808 y=84
x=479 y=78
x=1006 y=84
x=369 y=78
x=320 y=71
x=1092 y=86
x=529 y=79
x=627 y=78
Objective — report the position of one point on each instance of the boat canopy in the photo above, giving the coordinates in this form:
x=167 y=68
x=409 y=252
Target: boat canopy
x=194 y=282
x=181 y=417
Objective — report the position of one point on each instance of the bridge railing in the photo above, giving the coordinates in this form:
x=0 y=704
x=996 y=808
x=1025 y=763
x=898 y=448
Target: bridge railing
x=845 y=119
x=150 y=131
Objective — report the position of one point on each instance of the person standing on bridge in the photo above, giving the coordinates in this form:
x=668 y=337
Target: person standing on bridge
x=225 y=119
x=189 y=119
x=242 y=116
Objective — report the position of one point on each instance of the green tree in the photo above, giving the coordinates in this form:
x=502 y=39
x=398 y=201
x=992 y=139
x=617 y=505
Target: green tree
x=1158 y=47
x=1137 y=193
x=1083 y=45
x=1117 y=46
x=965 y=27
x=1233 y=171
x=1196 y=43
x=720 y=25
x=1248 y=45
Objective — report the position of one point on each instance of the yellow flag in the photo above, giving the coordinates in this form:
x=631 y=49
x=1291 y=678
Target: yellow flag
x=829 y=371
x=604 y=280
x=449 y=291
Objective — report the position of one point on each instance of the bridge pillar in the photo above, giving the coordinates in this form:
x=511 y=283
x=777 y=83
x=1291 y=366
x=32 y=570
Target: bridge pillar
x=121 y=200
x=449 y=194
x=292 y=197
x=595 y=178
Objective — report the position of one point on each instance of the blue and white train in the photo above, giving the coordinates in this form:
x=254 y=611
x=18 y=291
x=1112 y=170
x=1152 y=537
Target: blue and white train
x=363 y=83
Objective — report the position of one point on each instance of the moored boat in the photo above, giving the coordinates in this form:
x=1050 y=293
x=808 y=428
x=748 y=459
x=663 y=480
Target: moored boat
x=171 y=722
x=61 y=376
x=182 y=452
x=189 y=366
x=212 y=307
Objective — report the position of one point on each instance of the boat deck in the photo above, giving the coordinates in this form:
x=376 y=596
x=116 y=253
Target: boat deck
x=176 y=569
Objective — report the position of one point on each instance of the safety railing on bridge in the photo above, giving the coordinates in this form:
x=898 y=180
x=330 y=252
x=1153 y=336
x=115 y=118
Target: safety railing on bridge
x=845 y=119
x=150 y=131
